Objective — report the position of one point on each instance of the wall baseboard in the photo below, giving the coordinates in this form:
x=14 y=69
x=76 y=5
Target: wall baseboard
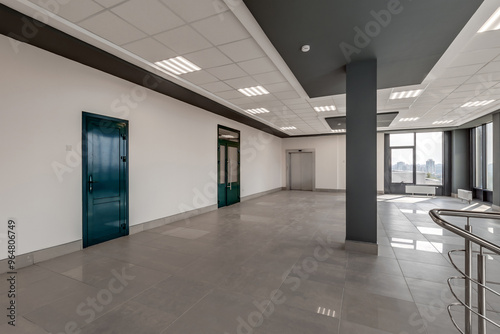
x=267 y=192
x=325 y=190
x=28 y=259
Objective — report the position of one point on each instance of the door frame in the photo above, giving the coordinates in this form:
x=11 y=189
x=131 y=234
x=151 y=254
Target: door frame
x=288 y=162
x=85 y=160
x=238 y=146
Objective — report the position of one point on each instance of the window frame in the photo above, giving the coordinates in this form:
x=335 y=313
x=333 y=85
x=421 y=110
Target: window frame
x=414 y=148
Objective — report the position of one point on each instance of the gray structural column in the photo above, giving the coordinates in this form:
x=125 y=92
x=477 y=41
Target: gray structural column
x=361 y=157
x=496 y=161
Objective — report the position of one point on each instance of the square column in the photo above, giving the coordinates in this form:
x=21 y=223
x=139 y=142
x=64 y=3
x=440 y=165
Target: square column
x=361 y=157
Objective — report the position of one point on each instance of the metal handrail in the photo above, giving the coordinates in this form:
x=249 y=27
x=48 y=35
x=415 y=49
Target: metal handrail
x=481 y=281
x=436 y=217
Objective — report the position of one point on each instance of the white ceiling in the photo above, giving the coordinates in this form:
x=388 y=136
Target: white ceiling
x=224 y=40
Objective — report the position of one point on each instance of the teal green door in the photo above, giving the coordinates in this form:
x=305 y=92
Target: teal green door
x=105 y=179
x=229 y=173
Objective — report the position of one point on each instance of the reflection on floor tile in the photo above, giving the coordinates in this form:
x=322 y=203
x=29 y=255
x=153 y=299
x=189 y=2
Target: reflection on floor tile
x=275 y=264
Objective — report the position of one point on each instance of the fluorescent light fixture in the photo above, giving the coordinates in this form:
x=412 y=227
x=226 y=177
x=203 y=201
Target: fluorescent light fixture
x=253 y=91
x=338 y=131
x=325 y=108
x=178 y=65
x=227 y=136
x=442 y=122
x=288 y=128
x=326 y=311
x=257 y=111
x=493 y=22
x=477 y=103
x=406 y=94
x=410 y=119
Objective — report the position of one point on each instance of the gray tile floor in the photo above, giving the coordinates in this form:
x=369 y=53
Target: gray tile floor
x=275 y=264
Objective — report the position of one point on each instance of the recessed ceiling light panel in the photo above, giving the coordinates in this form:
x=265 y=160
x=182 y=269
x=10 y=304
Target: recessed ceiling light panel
x=325 y=108
x=477 y=103
x=409 y=119
x=442 y=122
x=284 y=128
x=338 y=131
x=178 y=65
x=253 y=91
x=493 y=22
x=257 y=111
x=406 y=94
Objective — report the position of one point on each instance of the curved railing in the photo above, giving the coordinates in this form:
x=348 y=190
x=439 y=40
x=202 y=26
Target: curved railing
x=481 y=282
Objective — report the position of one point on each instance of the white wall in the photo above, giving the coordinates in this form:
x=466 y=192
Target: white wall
x=173 y=148
x=330 y=152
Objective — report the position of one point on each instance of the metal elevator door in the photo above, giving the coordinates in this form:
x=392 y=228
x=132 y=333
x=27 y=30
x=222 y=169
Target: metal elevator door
x=301 y=171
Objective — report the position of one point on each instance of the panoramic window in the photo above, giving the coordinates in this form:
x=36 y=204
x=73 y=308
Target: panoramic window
x=482 y=137
x=489 y=156
x=429 y=164
x=417 y=158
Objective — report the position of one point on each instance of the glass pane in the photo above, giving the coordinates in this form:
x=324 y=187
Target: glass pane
x=233 y=164
x=478 y=159
x=222 y=164
x=429 y=162
x=489 y=156
x=401 y=139
x=402 y=165
x=229 y=135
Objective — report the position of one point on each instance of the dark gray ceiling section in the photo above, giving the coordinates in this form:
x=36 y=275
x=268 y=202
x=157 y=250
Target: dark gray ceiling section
x=407 y=37
x=383 y=120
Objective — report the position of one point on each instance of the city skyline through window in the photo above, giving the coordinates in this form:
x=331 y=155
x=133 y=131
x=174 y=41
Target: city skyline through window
x=417 y=158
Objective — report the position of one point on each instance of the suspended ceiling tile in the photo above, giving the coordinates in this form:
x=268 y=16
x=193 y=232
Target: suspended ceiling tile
x=279 y=87
x=73 y=11
x=485 y=40
x=485 y=79
x=241 y=101
x=183 y=40
x=474 y=88
x=475 y=57
x=270 y=78
x=231 y=94
x=244 y=82
x=193 y=10
x=109 y=3
x=226 y=72
x=257 y=66
x=208 y=58
x=291 y=102
x=216 y=87
x=243 y=50
x=150 y=49
x=300 y=106
x=491 y=67
x=221 y=29
x=467 y=70
x=449 y=81
x=152 y=18
x=199 y=77
x=111 y=27
x=286 y=95
x=263 y=98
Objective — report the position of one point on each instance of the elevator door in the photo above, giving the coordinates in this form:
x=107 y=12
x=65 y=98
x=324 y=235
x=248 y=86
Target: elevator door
x=301 y=171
